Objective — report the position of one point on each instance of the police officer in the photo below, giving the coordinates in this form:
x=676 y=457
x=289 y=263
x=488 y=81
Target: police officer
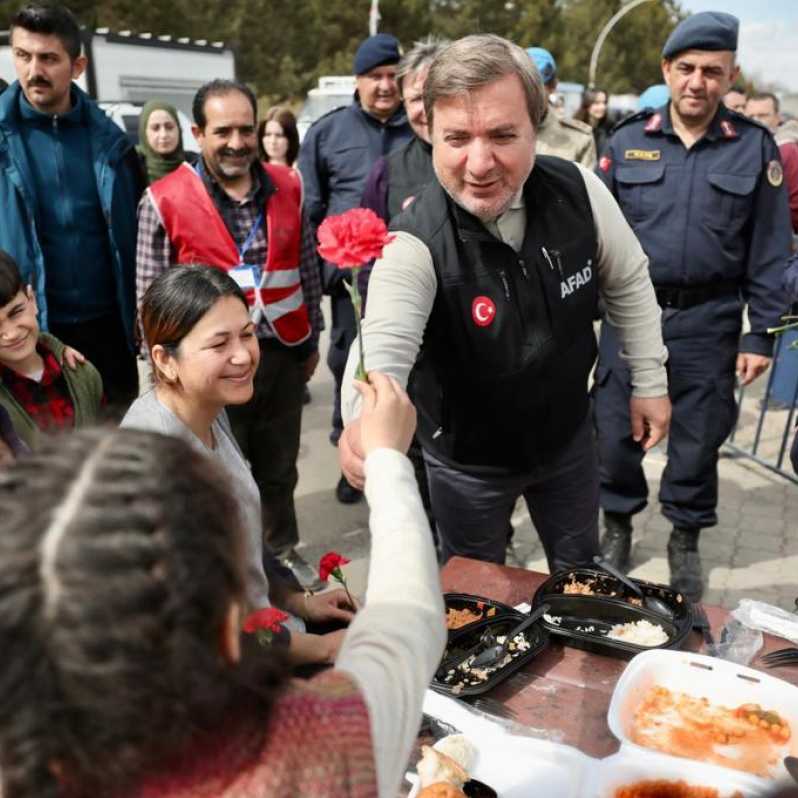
x=566 y=138
x=488 y=294
x=336 y=157
x=702 y=188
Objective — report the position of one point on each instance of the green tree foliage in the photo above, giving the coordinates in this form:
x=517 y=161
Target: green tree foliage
x=283 y=46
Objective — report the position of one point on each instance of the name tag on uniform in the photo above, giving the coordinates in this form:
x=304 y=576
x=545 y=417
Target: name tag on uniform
x=642 y=155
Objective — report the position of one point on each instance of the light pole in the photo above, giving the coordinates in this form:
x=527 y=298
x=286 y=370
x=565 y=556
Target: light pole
x=374 y=17
x=605 y=31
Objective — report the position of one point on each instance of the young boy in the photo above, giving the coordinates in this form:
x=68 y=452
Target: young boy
x=36 y=391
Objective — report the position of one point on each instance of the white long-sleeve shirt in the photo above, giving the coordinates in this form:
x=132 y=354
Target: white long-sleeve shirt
x=396 y=641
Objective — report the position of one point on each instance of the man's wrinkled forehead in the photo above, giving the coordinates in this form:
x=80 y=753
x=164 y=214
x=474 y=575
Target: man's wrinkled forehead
x=706 y=59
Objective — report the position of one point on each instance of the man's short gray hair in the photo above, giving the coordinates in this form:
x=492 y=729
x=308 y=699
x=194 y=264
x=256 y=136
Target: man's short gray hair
x=419 y=57
x=475 y=61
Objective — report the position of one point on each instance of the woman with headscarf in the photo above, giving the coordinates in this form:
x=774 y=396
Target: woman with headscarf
x=160 y=146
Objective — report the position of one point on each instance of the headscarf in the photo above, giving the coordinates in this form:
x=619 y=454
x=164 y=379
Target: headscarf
x=159 y=165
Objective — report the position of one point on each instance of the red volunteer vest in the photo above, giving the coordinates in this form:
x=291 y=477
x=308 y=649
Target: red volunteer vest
x=199 y=235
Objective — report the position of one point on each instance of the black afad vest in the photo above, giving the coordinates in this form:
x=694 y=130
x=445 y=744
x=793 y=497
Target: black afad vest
x=409 y=169
x=501 y=378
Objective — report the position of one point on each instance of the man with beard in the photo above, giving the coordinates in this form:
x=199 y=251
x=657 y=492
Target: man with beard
x=69 y=185
x=703 y=190
x=335 y=160
x=488 y=295
x=232 y=212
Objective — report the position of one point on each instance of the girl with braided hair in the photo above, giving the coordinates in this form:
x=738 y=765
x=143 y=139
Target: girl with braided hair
x=204 y=356
x=121 y=586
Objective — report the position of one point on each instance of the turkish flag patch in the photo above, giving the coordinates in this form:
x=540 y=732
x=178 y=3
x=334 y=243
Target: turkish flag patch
x=483 y=311
x=605 y=163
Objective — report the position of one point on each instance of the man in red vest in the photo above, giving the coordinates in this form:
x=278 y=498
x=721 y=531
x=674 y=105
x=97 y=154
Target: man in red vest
x=245 y=217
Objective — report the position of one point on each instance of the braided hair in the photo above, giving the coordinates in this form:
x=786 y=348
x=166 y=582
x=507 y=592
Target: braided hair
x=120 y=555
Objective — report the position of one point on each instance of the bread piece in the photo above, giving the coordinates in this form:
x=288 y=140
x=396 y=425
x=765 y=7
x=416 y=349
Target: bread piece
x=459 y=748
x=441 y=789
x=434 y=767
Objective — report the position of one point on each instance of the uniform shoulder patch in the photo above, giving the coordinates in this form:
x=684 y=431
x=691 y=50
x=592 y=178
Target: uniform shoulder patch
x=636 y=117
x=577 y=124
x=775 y=173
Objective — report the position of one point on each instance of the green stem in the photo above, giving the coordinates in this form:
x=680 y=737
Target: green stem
x=357 y=304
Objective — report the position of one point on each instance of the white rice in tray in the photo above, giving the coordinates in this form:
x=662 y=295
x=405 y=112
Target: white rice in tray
x=641 y=633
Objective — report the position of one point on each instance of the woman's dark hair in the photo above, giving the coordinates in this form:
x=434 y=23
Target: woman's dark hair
x=219 y=87
x=120 y=556
x=10 y=279
x=51 y=20
x=287 y=122
x=177 y=299
x=588 y=98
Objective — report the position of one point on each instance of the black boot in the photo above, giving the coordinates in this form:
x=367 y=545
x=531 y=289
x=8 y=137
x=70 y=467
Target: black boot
x=616 y=544
x=685 y=563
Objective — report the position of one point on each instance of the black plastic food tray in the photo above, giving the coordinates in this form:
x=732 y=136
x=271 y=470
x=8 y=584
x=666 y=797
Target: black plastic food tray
x=464 y=640
x=611 y=609
x=460 y=601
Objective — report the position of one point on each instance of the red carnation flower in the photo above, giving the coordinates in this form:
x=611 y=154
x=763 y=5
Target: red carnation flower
x=264 y=623
x=329 y=564
x=352 y=238
x=349 y=241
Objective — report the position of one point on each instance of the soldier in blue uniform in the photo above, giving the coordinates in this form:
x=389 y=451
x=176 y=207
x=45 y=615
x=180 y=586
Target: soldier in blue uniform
x=702 y=188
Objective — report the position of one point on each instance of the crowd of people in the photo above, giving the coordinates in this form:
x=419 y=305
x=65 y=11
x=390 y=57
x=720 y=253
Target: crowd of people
x=142 y=524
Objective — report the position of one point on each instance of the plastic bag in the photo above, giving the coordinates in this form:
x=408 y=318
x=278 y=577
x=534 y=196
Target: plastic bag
x=738 y=643
x=767 y=618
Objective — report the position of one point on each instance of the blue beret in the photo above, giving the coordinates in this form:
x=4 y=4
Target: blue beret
x=654 y=97
x=709 y=30
x=545 y=63
x=376 y=51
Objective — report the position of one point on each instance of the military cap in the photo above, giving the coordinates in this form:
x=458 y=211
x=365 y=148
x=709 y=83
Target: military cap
x=377 y=51
x=545 y=63
x=708 y=30
x=654 y=96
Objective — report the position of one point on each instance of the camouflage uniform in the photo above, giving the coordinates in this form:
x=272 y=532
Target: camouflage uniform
x=567 y=138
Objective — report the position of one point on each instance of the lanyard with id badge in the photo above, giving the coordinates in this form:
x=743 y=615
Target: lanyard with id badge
x=249 y=276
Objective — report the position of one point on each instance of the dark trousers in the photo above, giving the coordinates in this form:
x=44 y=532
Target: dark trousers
x=472 y=511
x=342 y=334
x=104 y=343
x=267 y=429
x=701 y=388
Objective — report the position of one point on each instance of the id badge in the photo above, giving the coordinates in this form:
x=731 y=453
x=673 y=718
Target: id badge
x=246 y=276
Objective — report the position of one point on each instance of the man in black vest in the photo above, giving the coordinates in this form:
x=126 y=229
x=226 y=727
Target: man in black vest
x=488 y=295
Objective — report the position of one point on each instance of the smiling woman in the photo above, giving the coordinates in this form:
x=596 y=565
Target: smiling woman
x=204 y=355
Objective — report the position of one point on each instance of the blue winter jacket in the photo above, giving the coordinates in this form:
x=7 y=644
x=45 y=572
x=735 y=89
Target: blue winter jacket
x=119 y=187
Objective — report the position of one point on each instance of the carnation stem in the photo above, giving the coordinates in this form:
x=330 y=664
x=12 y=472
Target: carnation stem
x=357 y=303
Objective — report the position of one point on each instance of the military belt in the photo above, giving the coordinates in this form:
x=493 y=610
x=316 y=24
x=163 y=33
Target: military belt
x=682 y=297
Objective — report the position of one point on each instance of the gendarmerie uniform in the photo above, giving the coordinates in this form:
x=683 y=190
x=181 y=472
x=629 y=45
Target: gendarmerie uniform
x=495 y=320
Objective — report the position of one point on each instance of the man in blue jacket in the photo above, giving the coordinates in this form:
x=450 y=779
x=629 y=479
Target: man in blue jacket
x=69 y=186
x=335 y=160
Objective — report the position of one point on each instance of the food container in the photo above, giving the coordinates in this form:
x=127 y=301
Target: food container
x=467 y=641
x=515 y=766
x=720 y=682
x=462 y=601
x=580 y=612
x=627 y=768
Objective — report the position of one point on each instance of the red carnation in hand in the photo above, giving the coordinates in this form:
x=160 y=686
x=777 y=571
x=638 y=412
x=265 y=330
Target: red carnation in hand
x=352 y=238
x=330 y=566
x=264 y=623
x=349 y=241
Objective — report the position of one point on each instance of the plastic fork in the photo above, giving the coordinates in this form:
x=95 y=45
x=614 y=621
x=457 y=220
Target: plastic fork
x=782 y=656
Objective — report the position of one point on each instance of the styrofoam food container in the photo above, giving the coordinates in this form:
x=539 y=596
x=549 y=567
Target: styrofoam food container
x=515 y=766
x=719 y=681
x=630 y=766
x=518 y=767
